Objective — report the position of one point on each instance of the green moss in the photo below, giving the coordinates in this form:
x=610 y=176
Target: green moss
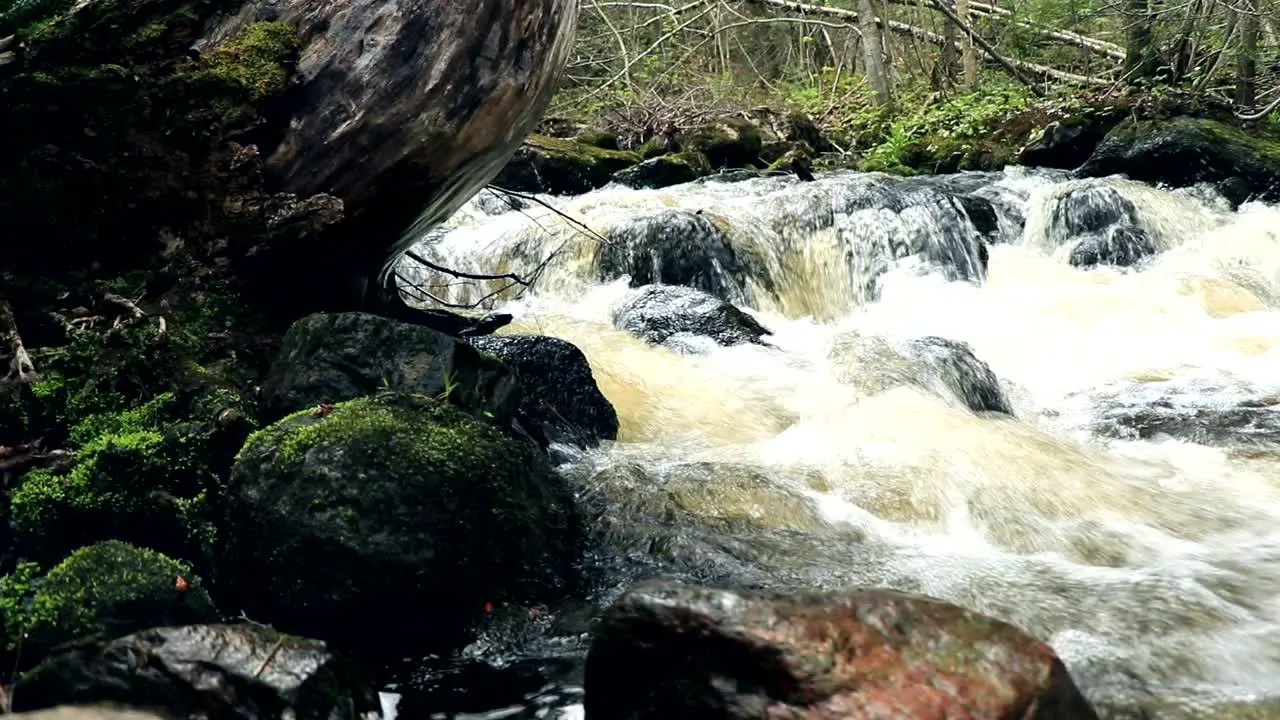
x=578 y=151
x=135 y=485
x=427 y=432
x=108 y=590
x=258 y=59
x=16 y=591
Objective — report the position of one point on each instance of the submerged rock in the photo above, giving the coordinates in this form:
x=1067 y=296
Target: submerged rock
x=1185 y=151
x=224 y=671
x=387 y=523
x=562 y=167
x=668 y=649
x=1119 y=246
x=1208 y=413
x=947 y=368
x=658 y=313
x=329 y=358
x=558 y=393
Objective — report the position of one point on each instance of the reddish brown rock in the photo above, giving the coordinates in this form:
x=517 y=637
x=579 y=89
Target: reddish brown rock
x=667 y=650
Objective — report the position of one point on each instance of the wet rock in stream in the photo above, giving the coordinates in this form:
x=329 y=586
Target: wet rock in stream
x=671 y=649
x=662 y=313
x=224 y=671
x=1213 y=413
x=558 y=393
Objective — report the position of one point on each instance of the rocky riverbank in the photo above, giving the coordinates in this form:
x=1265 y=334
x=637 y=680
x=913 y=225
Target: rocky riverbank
x=228 y=490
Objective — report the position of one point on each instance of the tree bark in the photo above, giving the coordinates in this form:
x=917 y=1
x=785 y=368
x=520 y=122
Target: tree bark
x=969 y=54
x=873 y=54
x=1139 y=56
x=1247 y=55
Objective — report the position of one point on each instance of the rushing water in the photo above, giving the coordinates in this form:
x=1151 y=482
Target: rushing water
x=1151 y=564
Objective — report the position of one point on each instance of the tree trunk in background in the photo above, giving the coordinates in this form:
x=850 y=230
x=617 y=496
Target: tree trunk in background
x=873 y=54
x=1139 y=56
x=1247 y=55
x=970 y=54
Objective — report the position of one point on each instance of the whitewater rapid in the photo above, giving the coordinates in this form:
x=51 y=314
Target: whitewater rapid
x=1152 y=565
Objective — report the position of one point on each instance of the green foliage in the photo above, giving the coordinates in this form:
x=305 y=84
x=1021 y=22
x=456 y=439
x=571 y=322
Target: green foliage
x=26 y=16
x=105 y=590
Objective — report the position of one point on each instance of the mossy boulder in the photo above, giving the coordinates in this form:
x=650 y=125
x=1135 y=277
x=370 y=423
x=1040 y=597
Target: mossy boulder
x=664 y=171
x=730 y=142
x=214 y=671
x=1185 y=151
x=562 y=167
x=386 y=524
x=104 y=591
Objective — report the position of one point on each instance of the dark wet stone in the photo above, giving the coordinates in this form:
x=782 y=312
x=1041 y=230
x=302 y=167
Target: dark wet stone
x=222 y=671
x=558 y=393
x=328 y=358
x=1119 y=246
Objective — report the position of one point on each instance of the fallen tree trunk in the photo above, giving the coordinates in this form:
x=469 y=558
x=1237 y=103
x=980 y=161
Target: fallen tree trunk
x=934 y=38
x=1104 y=47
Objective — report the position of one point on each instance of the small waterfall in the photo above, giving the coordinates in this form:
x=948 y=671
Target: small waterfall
x=1056 y=401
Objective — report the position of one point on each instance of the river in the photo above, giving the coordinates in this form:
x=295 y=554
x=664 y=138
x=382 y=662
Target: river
x=834 y=457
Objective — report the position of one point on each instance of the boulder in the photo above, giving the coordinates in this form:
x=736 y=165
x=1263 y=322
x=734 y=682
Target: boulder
x=224 y=671
x=105 y=591
x=562 y=167
x=664 y=171
x=1100 y=224
x=387 y=523
x=558 y=393
x=421 y=126
x=328 y=358
x=658 y=313
x=668 y=649
x=1185 y=151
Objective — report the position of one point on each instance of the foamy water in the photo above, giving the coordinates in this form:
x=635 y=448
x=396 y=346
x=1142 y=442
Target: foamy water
x=1153 y=567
